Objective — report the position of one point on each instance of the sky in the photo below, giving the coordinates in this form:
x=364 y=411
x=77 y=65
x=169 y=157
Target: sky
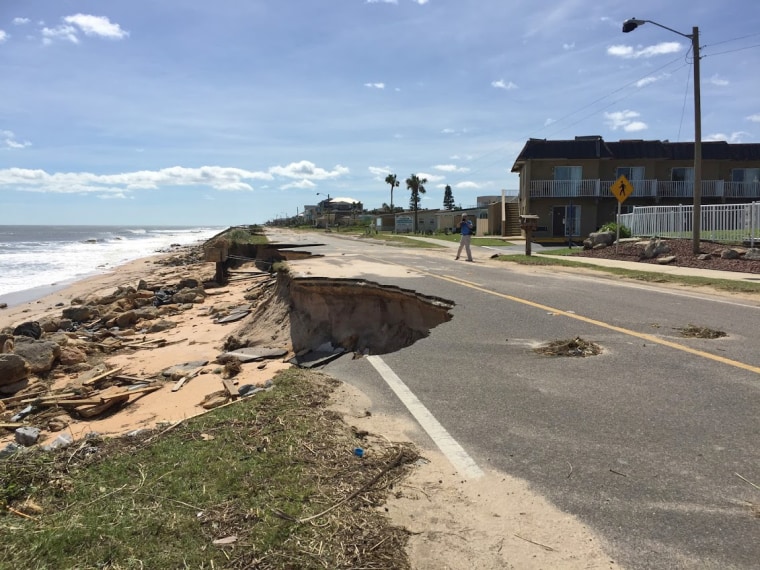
x=244 y=111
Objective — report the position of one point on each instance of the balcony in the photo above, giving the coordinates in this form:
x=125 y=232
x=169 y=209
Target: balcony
x=652 y=189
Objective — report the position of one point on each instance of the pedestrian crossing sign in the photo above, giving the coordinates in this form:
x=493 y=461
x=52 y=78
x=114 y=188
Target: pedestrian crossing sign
x=621 y=189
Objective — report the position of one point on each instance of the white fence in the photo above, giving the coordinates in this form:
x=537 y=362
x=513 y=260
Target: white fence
x=734 y=223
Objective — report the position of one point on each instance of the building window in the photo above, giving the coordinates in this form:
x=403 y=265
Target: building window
x=632 y=173
x=568 y=173
x=682 y=174
x=748 y=175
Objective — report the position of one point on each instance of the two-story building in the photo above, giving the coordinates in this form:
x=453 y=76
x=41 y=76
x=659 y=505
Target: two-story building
x=567 y=182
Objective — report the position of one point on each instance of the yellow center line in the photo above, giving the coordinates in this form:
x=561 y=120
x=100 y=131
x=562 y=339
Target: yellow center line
x=602 y=324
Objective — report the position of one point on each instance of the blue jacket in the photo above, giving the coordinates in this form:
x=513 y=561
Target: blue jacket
x=466 y=227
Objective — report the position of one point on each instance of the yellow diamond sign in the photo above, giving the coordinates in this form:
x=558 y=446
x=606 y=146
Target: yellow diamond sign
x=621 y=189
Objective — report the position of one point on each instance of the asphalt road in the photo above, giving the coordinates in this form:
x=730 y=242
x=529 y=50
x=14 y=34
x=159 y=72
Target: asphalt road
x=653 y=443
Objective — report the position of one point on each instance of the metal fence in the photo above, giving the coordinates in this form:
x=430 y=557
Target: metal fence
x=731 y=223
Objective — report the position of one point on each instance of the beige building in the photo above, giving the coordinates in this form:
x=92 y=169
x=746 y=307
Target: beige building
x=567 y=183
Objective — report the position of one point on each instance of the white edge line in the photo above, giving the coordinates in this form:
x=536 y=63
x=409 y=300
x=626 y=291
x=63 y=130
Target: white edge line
x=454 y=452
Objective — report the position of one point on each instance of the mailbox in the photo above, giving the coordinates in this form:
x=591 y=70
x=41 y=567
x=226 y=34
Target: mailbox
x=528 y=222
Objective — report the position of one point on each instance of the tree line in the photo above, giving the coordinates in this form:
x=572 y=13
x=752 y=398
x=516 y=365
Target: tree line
x=416 y=187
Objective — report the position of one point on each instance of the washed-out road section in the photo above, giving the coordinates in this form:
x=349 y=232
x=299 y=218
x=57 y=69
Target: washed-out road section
x=652 y=444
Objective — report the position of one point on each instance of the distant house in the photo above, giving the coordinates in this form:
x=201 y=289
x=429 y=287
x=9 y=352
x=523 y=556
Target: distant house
x=567 y=182
x=336 y=211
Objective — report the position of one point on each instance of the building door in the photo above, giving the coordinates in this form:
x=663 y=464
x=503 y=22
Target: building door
x=558 y=221
x=566 y=221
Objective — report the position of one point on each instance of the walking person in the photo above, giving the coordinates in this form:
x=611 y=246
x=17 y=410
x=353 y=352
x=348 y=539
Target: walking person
x=465 y=228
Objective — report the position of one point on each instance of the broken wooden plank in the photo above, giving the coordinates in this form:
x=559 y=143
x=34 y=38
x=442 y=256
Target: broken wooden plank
x=89 y=411
x=11 y=425
x=73 y=402
x=133 y=379
x=229 y=385
x=181 y=382
x=91 y=381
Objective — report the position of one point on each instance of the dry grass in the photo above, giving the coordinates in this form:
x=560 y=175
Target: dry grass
x=268 y=482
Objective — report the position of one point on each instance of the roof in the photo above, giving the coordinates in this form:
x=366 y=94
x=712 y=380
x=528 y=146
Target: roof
x=595 y=147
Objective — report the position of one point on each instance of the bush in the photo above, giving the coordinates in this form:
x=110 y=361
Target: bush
x=625 y=232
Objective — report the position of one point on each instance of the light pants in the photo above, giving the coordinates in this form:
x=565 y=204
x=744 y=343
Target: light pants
x=464 y=242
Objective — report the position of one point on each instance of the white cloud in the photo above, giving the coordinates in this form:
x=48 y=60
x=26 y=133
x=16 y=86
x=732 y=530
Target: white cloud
x=431 y=178
x=214 y=177
x=382 y=1
x=624 y=120
x=635 y=126
x=63 y=33
x=754 y=118
x=568 y=47
x=3 y=36
x=96 y=26
x=451 y=168
x=301 y=185
x=380 y=172
x=716 y=80
x=20 y=21
x=469 y=185
x=307 y=170
x=375 y=85
x=448 y=131
x=8 y=140
x=549 y=121
x=628 y=52
x=735 y=137
x=501 y=84
x=646 y=81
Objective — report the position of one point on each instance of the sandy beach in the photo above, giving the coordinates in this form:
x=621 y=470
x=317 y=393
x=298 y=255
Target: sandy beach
x=195 y=336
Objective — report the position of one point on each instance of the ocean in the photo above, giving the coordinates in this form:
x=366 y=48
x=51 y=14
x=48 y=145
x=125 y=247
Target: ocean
x=34 y=260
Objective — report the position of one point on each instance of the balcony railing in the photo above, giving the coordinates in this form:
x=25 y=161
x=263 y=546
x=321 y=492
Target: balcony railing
x=595 y=188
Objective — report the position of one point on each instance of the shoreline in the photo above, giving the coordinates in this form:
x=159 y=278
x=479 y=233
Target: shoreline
x=191 y=335
x=26 y=300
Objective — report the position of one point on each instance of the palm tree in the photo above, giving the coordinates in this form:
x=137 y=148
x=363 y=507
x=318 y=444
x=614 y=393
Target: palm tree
x=415 y=184
x=391 y=179
x=448 y=198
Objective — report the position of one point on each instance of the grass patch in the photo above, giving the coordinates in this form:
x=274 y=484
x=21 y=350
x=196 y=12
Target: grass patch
x=249 y=473
x=246 y=234
x=648 y=276
x=402 y=241
x=483 y=241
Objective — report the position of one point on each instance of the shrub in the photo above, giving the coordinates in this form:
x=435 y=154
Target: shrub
x=625 y=232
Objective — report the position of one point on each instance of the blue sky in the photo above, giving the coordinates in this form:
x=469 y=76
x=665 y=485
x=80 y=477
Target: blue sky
x=241 y=111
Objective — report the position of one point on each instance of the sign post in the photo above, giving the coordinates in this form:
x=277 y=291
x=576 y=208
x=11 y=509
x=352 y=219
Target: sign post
x=621 y=189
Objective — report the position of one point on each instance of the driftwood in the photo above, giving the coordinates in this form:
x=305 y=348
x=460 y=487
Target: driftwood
x=106 y=374
x=181 y=382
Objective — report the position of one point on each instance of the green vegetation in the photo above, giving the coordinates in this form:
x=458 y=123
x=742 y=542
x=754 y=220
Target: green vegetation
x=415 y=185
x=625 y=231
x=475 y=240
x=273 y=477
x=400 y=240
x=248 y=234
x=649 y=276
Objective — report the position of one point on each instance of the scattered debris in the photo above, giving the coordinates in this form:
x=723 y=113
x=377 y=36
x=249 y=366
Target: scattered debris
x=573 y=347
x=693 y=331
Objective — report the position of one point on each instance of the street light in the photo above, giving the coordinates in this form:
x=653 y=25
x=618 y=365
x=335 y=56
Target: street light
x=629 y=26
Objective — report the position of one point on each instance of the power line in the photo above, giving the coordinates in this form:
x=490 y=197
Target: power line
x=592 y=103
x=732 y=50
x=624 y=87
